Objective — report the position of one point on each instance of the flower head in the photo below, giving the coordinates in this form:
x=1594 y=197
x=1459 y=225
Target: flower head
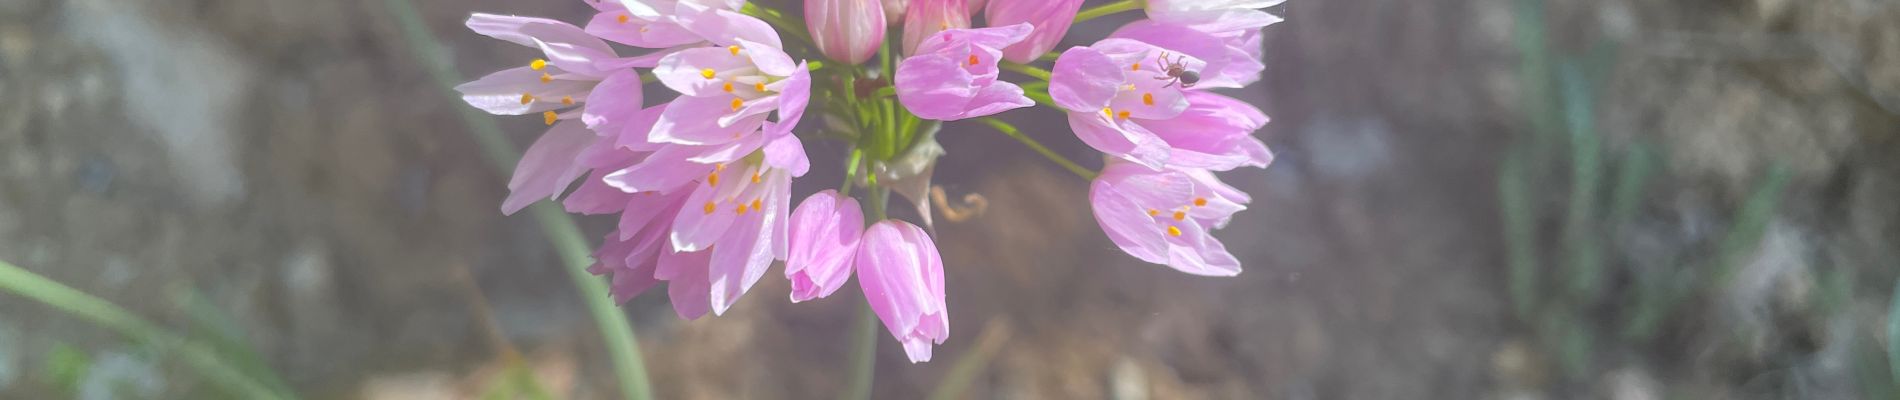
x=954 y=75
x=1112 y=87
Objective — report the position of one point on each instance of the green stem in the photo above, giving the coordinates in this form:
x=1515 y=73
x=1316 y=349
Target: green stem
x=1011 y=130
x=1106 y=9
x=98 y=311
x=864 y=357
x=561 y=230
x=1032 y=71
x=851 y=171
x=885 y=92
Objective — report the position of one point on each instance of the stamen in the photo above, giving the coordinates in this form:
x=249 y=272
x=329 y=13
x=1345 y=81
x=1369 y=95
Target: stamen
x=972 y=59
x=737 y=103
x=710 y=207
x=1108 y=112
x=755 y=204
x=712 y=179
x=549 y=116
x=1148 y=98
x=734 y=49
x=545 y=78
x=741 y=209
x=527 y=98
x=1200 y=201
x=759 y=86
x=1124 y=114
x=567 y=100
x=622 y=19
x=755 y=177
x=1179 y=215
x=1153 y=212
x=728 y=87
x=538 y=64
x=721 y=167
x=1174 y=231
x=707 y=73
x=1136 y=67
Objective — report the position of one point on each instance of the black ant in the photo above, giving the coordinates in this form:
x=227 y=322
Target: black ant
x=1176 y=71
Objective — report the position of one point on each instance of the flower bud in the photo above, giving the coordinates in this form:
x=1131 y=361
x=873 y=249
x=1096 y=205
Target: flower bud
x=846 y=30
x=901 y=274
x=924 y=18
x=1050 y=17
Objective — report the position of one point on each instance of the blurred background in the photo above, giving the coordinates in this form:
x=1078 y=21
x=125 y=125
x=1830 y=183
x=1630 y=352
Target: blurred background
x=1474 y=199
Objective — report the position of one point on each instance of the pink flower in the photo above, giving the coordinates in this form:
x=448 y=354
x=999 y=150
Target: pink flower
x=1215 y=132
x=649 y=23
x=924 y=18
x=1229 y=43
x=824 y=244
x=953 y=75
x=1051 y=19
x=846 y=30
x=902 y=276
x=1165 y=216
x=729 y=90
x=1112 y=88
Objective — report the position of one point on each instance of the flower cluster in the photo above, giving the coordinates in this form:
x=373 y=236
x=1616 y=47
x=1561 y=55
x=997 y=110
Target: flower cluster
x=701 y=182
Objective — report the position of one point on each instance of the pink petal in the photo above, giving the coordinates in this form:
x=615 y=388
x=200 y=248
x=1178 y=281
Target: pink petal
x=794 y=94
x=696 y=121
x=664 y=170
x=1084 y=80
x=726 y=28
x=825 y=230
x=998 y=97
x=639 y=32
x=1121 y=139
x=925 y=18
x=706 y=215
x=616 y=98
x=1051 y=19
x=934 y=87
x=684 y=71
x=548 y=166
x=686 y=283
x=500 y=93
x=787 y=153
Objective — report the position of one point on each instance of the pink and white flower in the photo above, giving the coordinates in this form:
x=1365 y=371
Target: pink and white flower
x=1051 y=19
x=924 y=18
x=902 y=276
x=846 y=30
x=954 y=75
x=1167 y=216
x=825 y=232
x=1112 y=88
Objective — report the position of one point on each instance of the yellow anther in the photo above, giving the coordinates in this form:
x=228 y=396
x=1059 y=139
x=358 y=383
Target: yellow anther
x=623 y=18
x=1136 y=67
x=759 y=86
x=1148 y=98
x=527 y=98
x=1200 y=201
x=549 y=117
x=755 y=177
x=1108 y=112
x=538 y=64
x=1174 y=231
x=567 y=100
x=712 y=179
x=740 y=210
x=721 y=167
x=545 y=78
x=707 y=73
x=734 y=49
x=1153 y=212
x=737 y=102
x=755 y=204
x=1128 y=87
x=710 y=207
x=1124 y=114
x=1179 y=215
x=728 y=87
x=972 y=59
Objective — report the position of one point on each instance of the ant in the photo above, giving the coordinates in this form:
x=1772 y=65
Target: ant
x=1176 y=71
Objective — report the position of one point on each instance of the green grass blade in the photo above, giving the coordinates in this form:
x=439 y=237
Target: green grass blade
x=98 y=311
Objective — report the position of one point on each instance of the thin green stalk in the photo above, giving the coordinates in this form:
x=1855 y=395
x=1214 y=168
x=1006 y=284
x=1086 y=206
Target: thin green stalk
x=851 y=171
x=1011 y=130
x=1043 y=99
x=864 y=356
x=885 y=92
x=560 y=228
x=1024 y=69
x=1519 y=218
x=26 y=284
x=1582 y=219
x=1110 y=8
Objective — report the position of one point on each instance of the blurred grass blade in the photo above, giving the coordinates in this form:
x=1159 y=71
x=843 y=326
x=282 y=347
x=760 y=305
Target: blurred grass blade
x=98 y=311
x=560 y=228
x=864 y=357
x=1745 y=234
x=1893 y=335
x=973 y=362
x=1520 y=243
x=225 y=336
x=1632 y=178
x=1581 y=235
